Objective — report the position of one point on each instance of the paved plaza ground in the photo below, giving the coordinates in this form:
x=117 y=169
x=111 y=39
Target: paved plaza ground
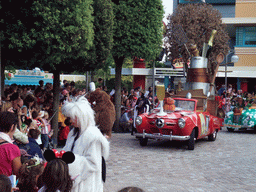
x=227 y=164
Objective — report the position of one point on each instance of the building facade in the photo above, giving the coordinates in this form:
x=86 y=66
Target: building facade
x=240 y=19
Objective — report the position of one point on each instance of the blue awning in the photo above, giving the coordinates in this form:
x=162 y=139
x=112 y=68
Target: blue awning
x=26 y=81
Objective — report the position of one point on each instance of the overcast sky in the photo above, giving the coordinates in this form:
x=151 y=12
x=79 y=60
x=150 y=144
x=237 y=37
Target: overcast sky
x=168 y=8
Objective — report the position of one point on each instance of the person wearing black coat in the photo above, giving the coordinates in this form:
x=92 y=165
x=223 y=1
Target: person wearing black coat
x=142 y=103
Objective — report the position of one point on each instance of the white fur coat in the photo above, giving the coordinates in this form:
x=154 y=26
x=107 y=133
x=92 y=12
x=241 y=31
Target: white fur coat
x=87 y=167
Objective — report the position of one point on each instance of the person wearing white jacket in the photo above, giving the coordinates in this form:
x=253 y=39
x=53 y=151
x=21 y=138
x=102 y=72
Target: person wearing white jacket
x=89 y=146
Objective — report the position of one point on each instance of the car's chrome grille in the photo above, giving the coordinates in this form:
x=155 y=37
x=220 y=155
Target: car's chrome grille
x=170 y=123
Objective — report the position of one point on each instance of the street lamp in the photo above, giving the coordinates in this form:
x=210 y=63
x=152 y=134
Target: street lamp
x=234 y=59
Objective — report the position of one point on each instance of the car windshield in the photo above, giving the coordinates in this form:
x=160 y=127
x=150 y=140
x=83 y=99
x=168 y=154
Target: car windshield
x=184 y=105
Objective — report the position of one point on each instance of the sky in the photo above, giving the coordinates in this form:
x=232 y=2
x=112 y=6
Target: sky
x=168 y=9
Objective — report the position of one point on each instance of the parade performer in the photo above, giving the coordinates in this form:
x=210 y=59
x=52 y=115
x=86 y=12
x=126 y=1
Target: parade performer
x=88 y=144
x=105 y=114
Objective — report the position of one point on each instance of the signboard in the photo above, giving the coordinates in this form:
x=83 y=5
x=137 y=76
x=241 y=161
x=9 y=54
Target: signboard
x=178 y=63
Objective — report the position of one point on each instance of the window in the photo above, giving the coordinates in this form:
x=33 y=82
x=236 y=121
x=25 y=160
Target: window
x=246 y=36
x=184 y=105
x=214 y=2
x=250 y=36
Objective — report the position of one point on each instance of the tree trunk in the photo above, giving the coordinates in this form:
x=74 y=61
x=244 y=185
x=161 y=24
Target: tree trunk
x=2 y=78
x=93 y=77
x=119 y=63
x=1 y=87
x=56 y=100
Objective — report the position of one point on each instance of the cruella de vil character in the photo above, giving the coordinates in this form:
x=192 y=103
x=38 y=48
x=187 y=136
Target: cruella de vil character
x=90 y=147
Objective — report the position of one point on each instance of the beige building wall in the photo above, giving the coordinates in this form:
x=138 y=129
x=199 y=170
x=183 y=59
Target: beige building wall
x=247 y=56
x=245 y=8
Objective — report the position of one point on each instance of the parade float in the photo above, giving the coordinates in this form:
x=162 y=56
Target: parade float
x=196 y=34
x=243 y=115
x=191 y=113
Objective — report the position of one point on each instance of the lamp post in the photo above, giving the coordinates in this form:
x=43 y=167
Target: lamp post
x=234 y=59
x=154 y=83
x=87 y=81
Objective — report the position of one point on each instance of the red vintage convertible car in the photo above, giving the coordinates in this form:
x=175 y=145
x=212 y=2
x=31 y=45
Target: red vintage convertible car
x=184 y=123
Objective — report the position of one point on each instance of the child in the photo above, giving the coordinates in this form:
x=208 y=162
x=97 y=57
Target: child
x=61 y=117
x=29 y=174
x=38 y=120
x=45 y=129
x=34 y=148
x=56 y=177
x=64 y=131
x=37 y=117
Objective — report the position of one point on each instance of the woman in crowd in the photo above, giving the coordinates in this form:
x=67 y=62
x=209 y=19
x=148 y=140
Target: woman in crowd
x=29 y=101
x=141 y=103
x=128 y=102
x=7 y=106
x=10 y=162
x=21 y=139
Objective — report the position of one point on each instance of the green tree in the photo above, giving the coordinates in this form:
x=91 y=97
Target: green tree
x=103 y=39
x=47 y=33
x=137 y=33
x=56 y=30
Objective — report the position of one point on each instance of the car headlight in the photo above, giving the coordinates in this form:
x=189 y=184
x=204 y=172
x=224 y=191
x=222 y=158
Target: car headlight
x=138 y=120
x=181 y=123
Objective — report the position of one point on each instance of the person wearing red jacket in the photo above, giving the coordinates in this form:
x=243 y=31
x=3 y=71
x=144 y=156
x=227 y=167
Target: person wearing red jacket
x=64 y=131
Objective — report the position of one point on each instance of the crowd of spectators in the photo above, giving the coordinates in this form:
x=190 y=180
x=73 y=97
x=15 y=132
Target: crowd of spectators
x=135 y=101
x=230 y=98
x=25 y=117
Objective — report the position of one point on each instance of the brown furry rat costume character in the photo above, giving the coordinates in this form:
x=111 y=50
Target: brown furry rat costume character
x=105 y=114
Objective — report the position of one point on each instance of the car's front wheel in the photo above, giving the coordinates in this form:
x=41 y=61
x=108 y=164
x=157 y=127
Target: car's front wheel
x=213 y=136
x=143 y=141
x=191 y=141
